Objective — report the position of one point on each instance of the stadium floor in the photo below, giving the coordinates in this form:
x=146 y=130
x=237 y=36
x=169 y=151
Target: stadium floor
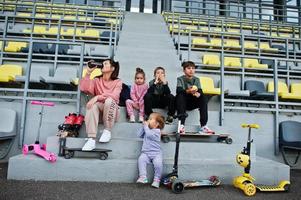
x=30 y=190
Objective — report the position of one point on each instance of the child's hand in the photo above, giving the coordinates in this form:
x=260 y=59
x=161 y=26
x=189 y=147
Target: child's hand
x=162 y=78
x=146 y=123
x=197 y=94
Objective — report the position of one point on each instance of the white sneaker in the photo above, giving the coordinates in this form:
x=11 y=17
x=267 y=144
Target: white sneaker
x=132 y=119
x=206 y=130
x=141 y=119
x=106 y=136
x=90 y=145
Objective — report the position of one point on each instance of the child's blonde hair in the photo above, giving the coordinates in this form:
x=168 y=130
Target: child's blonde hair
x=160 y=119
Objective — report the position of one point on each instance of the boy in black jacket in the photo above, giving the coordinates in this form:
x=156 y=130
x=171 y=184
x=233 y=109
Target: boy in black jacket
x=190 y=96
x=159 y=96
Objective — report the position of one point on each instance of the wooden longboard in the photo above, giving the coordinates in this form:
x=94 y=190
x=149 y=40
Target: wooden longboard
x=197 y=137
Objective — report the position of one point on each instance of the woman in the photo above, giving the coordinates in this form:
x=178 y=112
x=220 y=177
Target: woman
x=106 y=91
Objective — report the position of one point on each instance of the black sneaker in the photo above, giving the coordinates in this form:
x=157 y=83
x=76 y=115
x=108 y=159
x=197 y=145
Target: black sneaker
x=169 y=119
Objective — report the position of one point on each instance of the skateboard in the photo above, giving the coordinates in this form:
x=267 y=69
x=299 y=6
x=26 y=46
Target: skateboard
x=68 y=152
x=196 y=137
x=178 y=185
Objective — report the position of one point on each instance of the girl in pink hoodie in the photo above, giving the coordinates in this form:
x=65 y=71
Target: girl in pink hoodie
x=104 y=105
x=138 y=90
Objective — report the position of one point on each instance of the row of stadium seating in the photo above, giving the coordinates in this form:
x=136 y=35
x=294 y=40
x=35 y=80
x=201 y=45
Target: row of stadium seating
x=65 y=9
x=256 y=90
x=68 y=75
x=232 y=44
x=63 y=77
x=219 y=21
x=26 y=17
x=48 y=48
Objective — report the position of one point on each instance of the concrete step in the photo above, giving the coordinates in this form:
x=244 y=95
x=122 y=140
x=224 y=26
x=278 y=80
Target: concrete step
x=32 y=167
x=131 y=148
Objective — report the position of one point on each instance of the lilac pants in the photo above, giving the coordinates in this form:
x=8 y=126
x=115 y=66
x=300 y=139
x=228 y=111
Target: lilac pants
x=146 y=158
x=130 y=109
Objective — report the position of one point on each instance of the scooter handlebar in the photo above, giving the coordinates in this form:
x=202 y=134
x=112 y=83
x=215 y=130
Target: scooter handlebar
x=42 y=103
x=250 y=126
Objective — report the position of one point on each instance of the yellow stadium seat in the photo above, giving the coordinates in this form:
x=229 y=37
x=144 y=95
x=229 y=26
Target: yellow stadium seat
x=200 y=41
x=53 y=30
x=40 y=16
x=232 y=62
x=296 y=88
x=233 y=31
x=253 y=63
x=23 y=14
x=209 y=59
x=95 y=73
x=92 y=33
x=232 y=43
x=216 y=42
x=68 y=32
x=9 y=72
x=207 y=85
x=68 y=17
x=250 y=45
x=15 y=46
x=283 y=90
x=266 y=47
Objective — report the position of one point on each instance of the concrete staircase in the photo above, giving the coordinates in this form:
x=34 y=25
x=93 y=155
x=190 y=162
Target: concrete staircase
x=145 y=42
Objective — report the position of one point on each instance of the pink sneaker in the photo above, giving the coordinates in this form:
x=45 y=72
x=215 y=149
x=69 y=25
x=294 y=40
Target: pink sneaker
x=142 y=179
x=206 y=130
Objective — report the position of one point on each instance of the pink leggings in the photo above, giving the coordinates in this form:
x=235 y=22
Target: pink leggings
x=109 y=111
x=130 y=109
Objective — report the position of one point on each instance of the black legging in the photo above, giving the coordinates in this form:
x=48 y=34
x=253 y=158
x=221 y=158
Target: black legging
x=189 y=102
x=159 y=101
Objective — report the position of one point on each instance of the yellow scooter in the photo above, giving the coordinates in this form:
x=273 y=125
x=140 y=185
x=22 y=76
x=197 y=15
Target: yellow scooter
x=245 y=182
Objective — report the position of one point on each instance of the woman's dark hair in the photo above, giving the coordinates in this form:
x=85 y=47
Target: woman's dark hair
x=158 y=68
x=139 y=71
x=114 y=64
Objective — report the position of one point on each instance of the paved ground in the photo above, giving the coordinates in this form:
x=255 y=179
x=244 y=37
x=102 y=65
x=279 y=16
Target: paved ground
x=30 y=190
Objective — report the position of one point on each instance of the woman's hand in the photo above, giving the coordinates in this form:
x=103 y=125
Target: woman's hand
x=92 y=102
x=90 y=70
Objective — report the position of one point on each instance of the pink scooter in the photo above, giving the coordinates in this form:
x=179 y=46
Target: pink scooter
x=38 y=149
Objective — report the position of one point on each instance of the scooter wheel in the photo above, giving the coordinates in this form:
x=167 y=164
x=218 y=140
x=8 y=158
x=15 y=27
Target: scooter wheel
x=165 y=139
x=68 y=154
x=177 y=187
x=52 y=158
x=43 y=147
x=103 y=156
x=250 y=189
x=287 y=187
x=228 y=140
x=25 y=149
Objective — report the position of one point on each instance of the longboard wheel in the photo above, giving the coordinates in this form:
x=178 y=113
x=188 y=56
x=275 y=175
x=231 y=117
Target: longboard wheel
x=228 y=140
x=250 y=189
x=69 y=155
x=177 y=187
x=103 y=156
x=165 y=139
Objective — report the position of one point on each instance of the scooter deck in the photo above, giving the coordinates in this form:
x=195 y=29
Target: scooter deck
x=196 y=137
x=270 y=188
x=202 y=183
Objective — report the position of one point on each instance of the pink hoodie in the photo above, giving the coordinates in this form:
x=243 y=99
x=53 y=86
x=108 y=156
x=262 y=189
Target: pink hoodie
x=102 y=88
x=138 y=92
